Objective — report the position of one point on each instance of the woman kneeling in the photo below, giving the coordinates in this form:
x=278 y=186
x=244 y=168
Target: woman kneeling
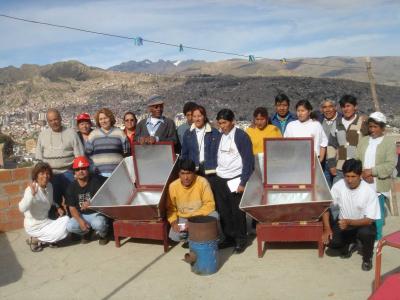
x=36 y=203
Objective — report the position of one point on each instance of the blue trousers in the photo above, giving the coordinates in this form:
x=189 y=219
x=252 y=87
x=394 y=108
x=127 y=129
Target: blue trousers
x=97 y=222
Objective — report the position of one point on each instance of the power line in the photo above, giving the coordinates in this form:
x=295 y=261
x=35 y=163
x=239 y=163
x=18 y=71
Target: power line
x=180 y=46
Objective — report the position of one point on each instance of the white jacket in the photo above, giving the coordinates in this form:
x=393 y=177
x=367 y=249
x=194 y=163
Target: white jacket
x=36 y=208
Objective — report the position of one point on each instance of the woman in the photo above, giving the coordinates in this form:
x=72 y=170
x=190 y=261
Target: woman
x=36 y=203
x=378 y=155
x=304 y=126
x=107 y=145
x=261 y=130
x=84 y=125
x=235 y=164
x=200 y=142
x=130 y=122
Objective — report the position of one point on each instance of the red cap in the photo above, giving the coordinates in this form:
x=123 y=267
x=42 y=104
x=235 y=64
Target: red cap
x=83 y=117
x=80 y=162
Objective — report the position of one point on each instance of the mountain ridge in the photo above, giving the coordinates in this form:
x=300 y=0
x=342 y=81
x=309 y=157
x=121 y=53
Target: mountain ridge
x=354 y=68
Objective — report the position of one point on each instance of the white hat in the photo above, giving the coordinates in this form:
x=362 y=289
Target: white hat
x=378 y=117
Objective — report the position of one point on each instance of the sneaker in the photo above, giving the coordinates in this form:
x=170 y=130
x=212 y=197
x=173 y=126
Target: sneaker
x=366 y=265
x=333 y=252
x=240 y=247
x=103 y=241
x=226 y=244
x=86 y=238
x=348 y=250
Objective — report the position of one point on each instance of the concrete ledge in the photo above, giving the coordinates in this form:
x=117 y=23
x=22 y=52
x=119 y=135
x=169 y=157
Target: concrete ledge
x=140 y=270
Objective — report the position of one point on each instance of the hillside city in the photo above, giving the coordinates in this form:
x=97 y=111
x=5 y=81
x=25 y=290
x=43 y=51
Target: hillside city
x=24 y=127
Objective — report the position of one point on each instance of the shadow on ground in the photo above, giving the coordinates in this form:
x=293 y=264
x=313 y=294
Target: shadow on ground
x=11 y=269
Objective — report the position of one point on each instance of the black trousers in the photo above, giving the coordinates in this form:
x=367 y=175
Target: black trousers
x=342 y=238
x=233 y=220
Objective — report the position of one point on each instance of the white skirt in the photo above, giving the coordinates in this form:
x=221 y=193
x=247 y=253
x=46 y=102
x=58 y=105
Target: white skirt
x=49 y=231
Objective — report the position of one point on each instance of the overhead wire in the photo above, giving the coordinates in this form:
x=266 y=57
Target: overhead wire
x=251 y=58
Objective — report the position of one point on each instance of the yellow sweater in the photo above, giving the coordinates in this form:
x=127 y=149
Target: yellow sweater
x=186 y=202
x=257 y=136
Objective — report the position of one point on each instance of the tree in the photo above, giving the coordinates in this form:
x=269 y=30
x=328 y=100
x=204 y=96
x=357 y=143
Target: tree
x=8 y=144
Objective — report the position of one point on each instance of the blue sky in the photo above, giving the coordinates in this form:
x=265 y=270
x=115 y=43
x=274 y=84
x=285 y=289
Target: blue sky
x=272 y=29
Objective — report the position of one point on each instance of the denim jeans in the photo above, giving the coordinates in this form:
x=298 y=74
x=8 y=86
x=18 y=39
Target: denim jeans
x=60 y=184
x=339 y=175
x=97 y=222
x=327 y=173
x=177 y=236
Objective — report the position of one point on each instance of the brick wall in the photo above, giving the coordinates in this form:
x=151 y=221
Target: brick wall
x=12 y=186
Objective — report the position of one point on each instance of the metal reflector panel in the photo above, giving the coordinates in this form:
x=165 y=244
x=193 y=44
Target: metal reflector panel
x=288 y=161
x=299 y=195
x=122 y=198
x=153 y=163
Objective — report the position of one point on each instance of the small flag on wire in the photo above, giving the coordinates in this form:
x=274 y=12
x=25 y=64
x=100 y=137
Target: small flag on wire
x=180 y=48
x=138 y=41
x=252 y=58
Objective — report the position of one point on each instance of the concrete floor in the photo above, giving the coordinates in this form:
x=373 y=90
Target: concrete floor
x=140 y=270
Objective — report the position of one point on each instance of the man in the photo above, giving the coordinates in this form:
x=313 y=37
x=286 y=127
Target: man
x=358 y=208
x=342 y=145
x=235 y=164
x=282 y=116
x=79 y=194
x=188 y=196
x=187 y=111
x=328 y=121
x=58 y=146
x=84 y=125
x=156 y=128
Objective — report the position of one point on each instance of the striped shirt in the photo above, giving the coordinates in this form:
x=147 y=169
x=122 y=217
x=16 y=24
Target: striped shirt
x=107 y=149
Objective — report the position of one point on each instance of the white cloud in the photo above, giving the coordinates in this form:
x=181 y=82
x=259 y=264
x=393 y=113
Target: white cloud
x=285 y=28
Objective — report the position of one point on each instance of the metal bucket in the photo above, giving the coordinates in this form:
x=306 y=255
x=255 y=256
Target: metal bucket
x=203 y=244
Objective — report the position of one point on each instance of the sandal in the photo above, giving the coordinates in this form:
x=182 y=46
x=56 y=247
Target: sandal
x=34 y=244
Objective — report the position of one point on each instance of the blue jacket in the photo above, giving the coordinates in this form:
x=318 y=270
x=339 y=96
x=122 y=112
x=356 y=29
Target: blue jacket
x=245 y=148
x=190 y=147
x=275 y=121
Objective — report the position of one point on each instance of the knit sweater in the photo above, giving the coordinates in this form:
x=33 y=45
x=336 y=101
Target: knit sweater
x=58 y=149
x=107 y=149
x=186 y=202
x=257 y=136
x=385 y=161
x=343 y=143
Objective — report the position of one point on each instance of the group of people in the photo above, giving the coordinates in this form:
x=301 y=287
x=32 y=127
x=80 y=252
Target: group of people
x=214 y=167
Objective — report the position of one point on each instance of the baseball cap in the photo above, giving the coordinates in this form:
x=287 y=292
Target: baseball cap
x=378 y=117
x=80 y=162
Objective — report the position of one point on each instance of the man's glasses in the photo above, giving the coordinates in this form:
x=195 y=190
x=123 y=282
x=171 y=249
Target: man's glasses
x=80 y=169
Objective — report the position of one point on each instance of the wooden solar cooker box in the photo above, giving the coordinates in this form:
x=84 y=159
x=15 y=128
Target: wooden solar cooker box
x=287 y=192
x=135 y=195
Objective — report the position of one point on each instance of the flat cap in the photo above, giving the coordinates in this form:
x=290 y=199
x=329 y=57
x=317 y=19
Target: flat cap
x=154 y=100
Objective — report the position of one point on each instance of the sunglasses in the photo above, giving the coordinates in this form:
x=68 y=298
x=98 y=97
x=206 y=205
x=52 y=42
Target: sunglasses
x=80 y=169
x=129 y=120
